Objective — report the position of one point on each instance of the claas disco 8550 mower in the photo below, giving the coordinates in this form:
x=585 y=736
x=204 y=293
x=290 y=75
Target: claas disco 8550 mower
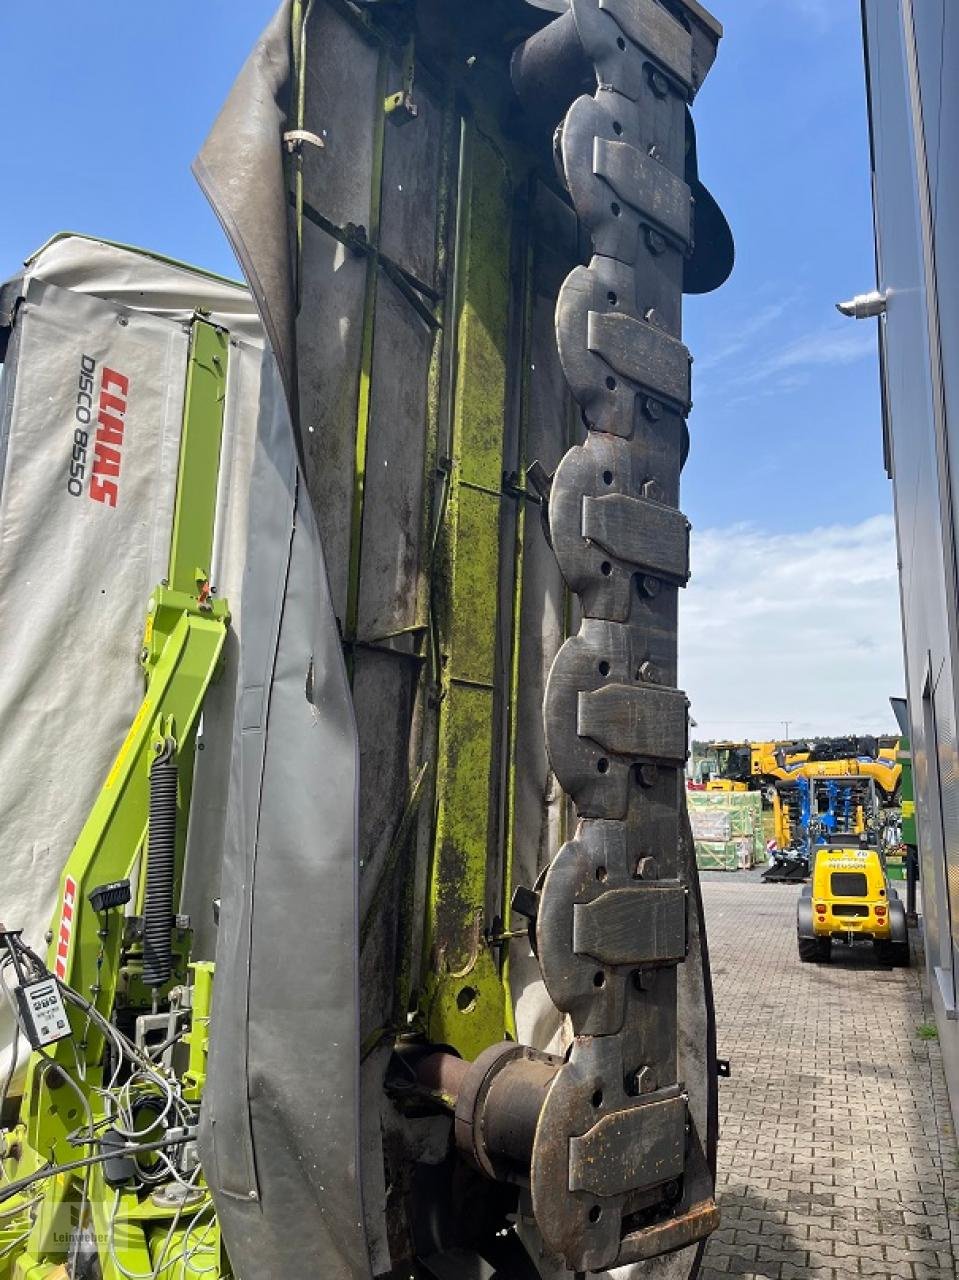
x=377 y=946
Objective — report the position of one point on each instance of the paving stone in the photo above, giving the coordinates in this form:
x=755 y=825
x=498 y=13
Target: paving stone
x=837 y=1157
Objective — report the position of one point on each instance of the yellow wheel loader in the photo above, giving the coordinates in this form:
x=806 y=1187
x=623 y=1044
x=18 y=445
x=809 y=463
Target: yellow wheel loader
x=850 y=900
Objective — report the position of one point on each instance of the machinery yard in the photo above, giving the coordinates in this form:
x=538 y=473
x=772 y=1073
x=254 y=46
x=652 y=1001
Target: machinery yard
x=837 y=1154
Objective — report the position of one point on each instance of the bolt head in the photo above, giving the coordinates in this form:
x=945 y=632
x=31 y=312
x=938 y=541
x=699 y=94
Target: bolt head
x=648 y=672
x=658 y=83
x=650 y=586
x=655 y=242
x=647 y=869
x=648 y=774
x=641 y=1082
x=652 y=409
x=653 y=489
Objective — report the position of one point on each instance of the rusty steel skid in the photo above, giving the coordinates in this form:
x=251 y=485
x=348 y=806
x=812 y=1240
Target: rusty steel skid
x=618 y=1171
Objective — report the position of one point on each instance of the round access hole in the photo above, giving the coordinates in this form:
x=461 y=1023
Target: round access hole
x=599 y=978
x=607 y=477
x=595 y=1213
x=604 y=668
x=602 y=765
x=597 y=1098
x=466 y=999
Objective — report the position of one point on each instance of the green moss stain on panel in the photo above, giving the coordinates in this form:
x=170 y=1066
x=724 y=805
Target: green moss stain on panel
x=466 y=1006
x=472 y=633
x=464 y=1002
x=482 y=332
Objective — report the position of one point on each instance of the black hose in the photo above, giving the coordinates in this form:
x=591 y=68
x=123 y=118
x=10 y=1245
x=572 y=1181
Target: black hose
x=161 y=865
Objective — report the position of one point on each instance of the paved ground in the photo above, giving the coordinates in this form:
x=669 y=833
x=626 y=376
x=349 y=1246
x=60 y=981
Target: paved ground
x=837 y=1154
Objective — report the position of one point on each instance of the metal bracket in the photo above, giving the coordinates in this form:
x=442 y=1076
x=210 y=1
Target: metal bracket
x=610 y=355
x=619 y=35
x=646 y=534
x=635 y=925
x=636 y=350
x=635 y=722
x=294 y=139
x=627 y=1149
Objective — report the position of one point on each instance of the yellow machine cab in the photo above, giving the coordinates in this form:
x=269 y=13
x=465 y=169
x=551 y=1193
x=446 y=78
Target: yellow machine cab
x=849 y=899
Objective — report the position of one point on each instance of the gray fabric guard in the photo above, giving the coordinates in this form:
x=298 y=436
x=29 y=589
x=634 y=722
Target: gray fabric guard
x=280 y=1117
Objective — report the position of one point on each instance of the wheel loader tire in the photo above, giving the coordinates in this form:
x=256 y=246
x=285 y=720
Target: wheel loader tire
x=896 y=954
x=814 y=950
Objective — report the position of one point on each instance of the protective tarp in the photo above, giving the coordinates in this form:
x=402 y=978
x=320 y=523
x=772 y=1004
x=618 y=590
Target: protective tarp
x=280 y=1115
x=80 y=553
x=145 y=281
x=283 y=1067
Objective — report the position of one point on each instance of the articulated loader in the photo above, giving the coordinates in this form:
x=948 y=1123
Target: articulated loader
x=375 y=940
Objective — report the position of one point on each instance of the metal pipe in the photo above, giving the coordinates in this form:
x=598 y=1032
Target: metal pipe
x=550 y=69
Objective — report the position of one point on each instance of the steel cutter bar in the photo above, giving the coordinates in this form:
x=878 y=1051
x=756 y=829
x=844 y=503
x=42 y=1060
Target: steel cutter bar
x=618 y=1171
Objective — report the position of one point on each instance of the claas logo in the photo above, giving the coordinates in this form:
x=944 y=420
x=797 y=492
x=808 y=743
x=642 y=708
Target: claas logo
x=107 y=436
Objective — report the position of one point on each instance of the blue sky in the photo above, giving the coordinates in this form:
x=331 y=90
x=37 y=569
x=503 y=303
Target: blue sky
x=113 y=100
x=786 y=427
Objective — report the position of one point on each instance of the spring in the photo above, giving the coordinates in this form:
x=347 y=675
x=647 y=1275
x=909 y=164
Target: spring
x=161 y=860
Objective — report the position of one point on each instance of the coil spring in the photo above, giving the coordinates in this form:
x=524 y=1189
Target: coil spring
x=161 y=865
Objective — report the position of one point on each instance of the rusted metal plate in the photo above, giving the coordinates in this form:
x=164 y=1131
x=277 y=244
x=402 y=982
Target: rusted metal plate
x=648 y=535
x=392 y=562
x=590 y=965
x=642 y=182
x=627 y=1150
x=414 y=182
x=618 y=551
x=620 y=36
x=697 y=1222
x=602 y=655
x=632 y=721
x=642 y=353
x=634 y=925
x=597 y=319
x=341 y=104
x=657 y=33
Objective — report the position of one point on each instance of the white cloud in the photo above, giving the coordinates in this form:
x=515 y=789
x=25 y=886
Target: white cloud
x=743 y=337
x=764 y=370
x=798 y=627
x=828 y=346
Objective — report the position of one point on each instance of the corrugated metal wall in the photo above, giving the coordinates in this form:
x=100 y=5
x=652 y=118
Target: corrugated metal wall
x=912 y=57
